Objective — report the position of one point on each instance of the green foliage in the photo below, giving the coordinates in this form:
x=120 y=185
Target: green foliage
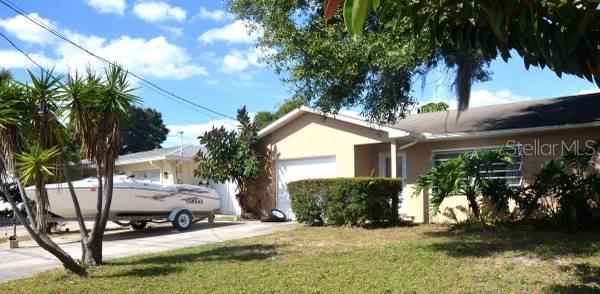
x=346 y=201
x=463 y=175
x=97 y=106
x=35 y=142
x=575 y=186
x=329 y=70
x=560 y=35
x=144 y=130
x=264 y=118
x=433 y=107
x=37 y=163
x=230 y=155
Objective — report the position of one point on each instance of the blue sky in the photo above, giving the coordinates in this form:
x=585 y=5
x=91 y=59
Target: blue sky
x=198 y=51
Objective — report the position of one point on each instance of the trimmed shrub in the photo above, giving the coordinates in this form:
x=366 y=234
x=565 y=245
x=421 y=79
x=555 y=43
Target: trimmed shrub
x=345 y=201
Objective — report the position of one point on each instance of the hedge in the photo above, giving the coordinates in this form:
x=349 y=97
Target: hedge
x=345 y=201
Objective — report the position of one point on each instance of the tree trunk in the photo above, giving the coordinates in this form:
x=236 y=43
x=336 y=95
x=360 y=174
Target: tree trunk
x=26 y=202
x=93 y=254
x=473 y=205
x=82 y=229
x=90 y=254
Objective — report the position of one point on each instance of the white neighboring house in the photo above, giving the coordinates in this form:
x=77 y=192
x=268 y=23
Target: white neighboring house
x=174 y=165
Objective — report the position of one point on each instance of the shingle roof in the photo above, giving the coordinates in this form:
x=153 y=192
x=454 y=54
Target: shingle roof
x=529 y=114
x=188 y=151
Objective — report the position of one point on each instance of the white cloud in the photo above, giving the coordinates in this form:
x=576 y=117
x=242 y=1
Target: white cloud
x=214 y=15
x=485 y=97
x=237 y=60
x=108 y=6
x=192 y=131
x=26 y=30
x=14 y=59
x=155 y=12
x=175 y=32
x=154 y=57
x=237 y=32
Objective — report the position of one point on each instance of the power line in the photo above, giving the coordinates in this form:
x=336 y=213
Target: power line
x=39 y=23
x=44 y=70
x=22 y=52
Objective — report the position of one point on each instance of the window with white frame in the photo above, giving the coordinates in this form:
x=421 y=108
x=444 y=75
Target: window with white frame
x=511 y=173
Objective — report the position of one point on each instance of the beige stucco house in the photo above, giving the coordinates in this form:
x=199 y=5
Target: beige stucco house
x=308 y=144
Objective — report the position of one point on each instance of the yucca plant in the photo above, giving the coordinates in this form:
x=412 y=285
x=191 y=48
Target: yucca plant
x=98 y=105
x=35 y=167
x=30 y=153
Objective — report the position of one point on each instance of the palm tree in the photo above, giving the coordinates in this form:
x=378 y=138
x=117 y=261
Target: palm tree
x=463 y=175
x=29 y=153
x=97 y=107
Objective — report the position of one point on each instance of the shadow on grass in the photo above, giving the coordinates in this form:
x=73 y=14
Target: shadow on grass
x=148 y=271
x=588 y=277
x=546 y=245
x=225 y=253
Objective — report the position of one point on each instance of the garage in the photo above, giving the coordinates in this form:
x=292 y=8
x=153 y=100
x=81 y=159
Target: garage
x=300 y=169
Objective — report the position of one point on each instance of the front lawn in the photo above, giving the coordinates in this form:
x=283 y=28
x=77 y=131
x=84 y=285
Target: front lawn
x=424 y=258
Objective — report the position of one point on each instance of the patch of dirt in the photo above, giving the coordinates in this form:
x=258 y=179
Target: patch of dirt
x=518 y=258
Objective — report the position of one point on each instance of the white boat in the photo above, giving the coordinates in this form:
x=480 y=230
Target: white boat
x=135 y=201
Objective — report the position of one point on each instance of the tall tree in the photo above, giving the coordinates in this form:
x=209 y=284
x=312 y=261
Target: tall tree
x=433 y=107
x=29 y=154
x=98 y=106
x=561 y=35
x=330 y=70
x=264 y=118
x=232 y=156
x=144 y=130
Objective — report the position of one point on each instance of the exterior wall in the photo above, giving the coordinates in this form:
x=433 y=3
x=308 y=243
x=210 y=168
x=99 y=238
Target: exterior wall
x=419 y=158
x=366 y=158
x=185 y=173
x=311 y=136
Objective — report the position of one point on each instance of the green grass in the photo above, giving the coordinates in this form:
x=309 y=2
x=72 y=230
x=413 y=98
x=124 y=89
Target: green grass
x=410 y=259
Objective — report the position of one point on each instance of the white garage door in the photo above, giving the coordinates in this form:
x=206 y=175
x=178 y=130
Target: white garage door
x=300 y=169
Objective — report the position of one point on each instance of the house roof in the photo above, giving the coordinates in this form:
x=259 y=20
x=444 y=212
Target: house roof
x=511 y=118
x=527 y=116
x=187 y=152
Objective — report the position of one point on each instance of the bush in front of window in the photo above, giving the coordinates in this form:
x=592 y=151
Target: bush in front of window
x=346 y=201
x=566 y=192
x=467 y=174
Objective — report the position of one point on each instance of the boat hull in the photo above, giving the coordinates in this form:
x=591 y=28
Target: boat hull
x=133 y=201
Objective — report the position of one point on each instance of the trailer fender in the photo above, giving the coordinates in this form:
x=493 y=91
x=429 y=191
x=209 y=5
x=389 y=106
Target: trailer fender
x=174 y=213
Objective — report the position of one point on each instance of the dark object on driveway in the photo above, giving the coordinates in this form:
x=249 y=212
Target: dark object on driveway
x=275 y=216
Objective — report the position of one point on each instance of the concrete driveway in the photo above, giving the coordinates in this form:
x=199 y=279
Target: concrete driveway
x=29 y=259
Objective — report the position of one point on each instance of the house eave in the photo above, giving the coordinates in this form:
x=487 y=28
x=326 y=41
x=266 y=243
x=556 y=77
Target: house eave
x=138 y=160
x=500 y=133
x=392 y=132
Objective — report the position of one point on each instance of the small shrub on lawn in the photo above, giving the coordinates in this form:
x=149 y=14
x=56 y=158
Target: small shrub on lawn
x=346 y=201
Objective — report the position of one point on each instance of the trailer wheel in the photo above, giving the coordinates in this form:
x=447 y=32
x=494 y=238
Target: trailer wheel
x=139 y=225
x=183 y=220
